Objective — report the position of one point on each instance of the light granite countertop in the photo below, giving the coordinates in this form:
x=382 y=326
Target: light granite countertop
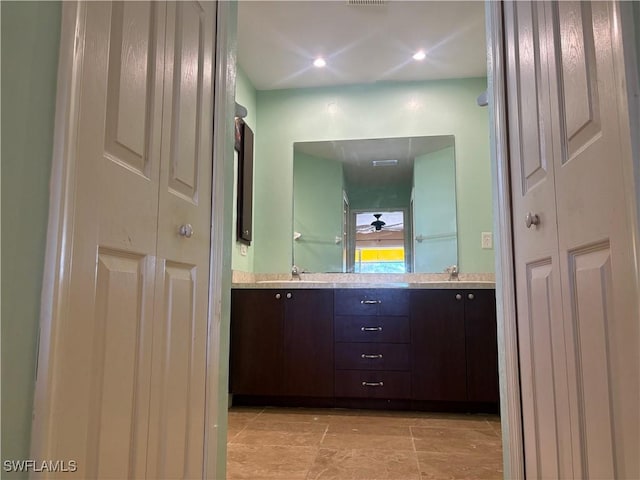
x=352 y=280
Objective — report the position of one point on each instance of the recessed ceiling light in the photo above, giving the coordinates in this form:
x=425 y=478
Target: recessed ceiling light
x=319 y=62
x=419 y=55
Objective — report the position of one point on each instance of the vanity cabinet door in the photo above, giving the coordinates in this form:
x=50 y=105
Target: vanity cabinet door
x=438 y=346
x=481 y=346
x=308 y=343
x=256 y=361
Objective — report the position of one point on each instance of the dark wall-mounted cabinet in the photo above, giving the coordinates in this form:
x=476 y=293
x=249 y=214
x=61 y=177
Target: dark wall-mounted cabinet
x=244 y=202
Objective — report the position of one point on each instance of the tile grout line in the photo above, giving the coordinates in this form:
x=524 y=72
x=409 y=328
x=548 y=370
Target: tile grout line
x=415 y=451
x=251 y=420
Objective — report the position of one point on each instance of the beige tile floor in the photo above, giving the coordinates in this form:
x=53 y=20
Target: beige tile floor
x=336 y=444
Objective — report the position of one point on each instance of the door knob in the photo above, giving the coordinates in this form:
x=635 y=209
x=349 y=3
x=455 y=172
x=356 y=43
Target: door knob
x=186 y=230
x=532 y=219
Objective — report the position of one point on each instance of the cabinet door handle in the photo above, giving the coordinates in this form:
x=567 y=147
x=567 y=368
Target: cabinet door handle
x=372 y=356
x=370 y=302
x=458 y=296
x=289 y=295
x=371 y=329
x=471 y=296
x=278 y=296
x=373 y=384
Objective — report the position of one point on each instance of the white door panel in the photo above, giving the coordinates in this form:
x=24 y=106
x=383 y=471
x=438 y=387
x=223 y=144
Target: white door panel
x=547 y=435
x=595 y=243
x=103 y=349
x=176 y=440
x=128 y=363
x=577 y=312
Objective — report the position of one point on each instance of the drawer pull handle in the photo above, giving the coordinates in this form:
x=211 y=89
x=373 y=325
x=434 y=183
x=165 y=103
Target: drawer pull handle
x=370 y=302
x=371 y=329
x=372 y=356
x=373 y=384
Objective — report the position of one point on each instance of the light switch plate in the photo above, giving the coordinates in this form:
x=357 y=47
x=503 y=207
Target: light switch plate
x=487 y=240
x=243 y=250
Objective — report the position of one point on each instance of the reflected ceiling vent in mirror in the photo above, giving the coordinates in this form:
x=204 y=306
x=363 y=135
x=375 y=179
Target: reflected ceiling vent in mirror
x=367 y=3
x=378 y=224
x=384 y=163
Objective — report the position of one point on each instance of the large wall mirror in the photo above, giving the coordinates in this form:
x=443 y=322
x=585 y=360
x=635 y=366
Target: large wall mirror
x=384 y=205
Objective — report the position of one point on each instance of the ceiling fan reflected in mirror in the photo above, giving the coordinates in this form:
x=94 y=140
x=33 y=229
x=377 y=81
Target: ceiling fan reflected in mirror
x=393 y=222
x=377 y=223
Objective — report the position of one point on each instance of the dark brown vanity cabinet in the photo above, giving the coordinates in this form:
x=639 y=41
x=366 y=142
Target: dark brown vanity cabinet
x=481 y=346
x=308 y=343
x=281 y=342
x=372 y=357
x=454 y=346
x=257 y=341
x=364 y=348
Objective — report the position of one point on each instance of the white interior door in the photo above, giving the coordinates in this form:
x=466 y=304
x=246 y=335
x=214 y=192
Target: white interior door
x=576 y=293
x=177 y=428
x=102 y=354
x=600 y=298
x=547 y=434
x=126 y=372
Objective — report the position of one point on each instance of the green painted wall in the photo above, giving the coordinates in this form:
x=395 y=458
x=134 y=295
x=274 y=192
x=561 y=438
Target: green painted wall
x=317 y=199
x=245 y=96
x=30 y=41
x=445 y=107
x=434 y=207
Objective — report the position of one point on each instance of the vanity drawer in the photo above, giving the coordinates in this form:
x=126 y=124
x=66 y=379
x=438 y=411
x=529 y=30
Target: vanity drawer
x=372 y=301
x=372 y=384
x=372 y=356
x=360 y=328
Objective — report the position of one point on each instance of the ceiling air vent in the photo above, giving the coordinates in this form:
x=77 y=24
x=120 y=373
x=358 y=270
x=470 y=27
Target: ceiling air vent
x=366 y=3
x=384 y=163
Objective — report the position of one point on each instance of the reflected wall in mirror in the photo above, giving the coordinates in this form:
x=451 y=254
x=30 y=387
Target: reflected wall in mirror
x=334 y=182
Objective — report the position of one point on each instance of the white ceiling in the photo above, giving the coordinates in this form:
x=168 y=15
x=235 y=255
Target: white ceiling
x=278 y=41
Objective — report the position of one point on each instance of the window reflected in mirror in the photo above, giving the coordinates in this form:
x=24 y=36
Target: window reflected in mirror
x=379 y=243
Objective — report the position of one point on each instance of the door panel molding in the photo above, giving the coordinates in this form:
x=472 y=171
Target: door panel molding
x=129 y=97
x=535 y=384
x=122 y=354
x=531 y=98
x=579 y=71
x=188 y=55
x=591 y=300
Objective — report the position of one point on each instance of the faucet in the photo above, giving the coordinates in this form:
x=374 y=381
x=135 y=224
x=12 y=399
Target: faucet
x=453 y=272
x=295 y=271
